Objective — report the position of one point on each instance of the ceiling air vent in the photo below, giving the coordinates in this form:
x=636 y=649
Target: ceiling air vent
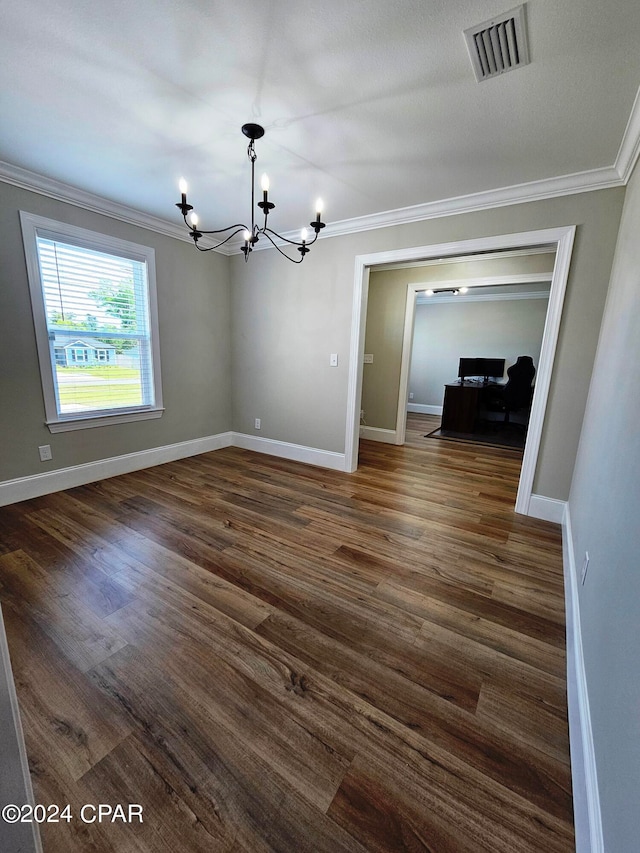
x=498 y=45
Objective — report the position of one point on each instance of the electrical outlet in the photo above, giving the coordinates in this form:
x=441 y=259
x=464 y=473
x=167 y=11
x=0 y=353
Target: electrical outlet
x=368 y=358
x=45 y=453
x=585 y=566
x=411 y=395
x=257 y=423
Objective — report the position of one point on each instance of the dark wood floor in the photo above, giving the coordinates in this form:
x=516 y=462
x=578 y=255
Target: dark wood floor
x=269 y=656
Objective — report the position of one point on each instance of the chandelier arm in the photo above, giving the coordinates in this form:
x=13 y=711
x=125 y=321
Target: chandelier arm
x=267 y=231
x=284 y=254
x=222 y=242
x=208 y=249
x=238 y=226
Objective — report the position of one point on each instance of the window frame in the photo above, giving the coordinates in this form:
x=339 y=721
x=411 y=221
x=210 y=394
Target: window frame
x=38 y=226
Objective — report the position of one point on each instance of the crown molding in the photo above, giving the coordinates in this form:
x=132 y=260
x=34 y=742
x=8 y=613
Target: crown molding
x=588 y=181
x=630 y=145
x=579 y=182
x=50 y=187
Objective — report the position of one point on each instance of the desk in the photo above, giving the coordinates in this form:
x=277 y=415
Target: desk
x=462 y=405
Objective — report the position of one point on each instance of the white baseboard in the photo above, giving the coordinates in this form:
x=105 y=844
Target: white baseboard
x=387 y=436
x=547 y=509
x=586 y=799
x=285 y=450
x=24 y=488
x=15 y=785
x=423 y=409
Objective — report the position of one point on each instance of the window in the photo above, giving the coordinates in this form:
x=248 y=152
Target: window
x=94 y=307
x=78 y=354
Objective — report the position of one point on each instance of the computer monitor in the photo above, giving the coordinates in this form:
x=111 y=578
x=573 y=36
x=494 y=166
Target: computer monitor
x=481 y=367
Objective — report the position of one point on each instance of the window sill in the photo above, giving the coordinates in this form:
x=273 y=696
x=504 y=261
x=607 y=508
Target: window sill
x=69 y=424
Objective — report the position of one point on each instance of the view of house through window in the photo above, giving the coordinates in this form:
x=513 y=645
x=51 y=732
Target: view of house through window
x=97 y=316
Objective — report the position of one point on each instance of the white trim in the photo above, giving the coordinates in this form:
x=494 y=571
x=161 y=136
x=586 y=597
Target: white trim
x=39 y=226
x=546 y=509
x=386 y=436
x=424 y=409
x=27 y=180
x=70 y=424
x=285 y=450
x=578 y=182
x=16 y=724
x=24 y=488
x=550 y=333
x=630 y=145
x=563 y=237
x=586 y=797
x=356 y=357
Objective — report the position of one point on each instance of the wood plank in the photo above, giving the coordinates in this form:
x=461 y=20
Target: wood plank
x=273 y=657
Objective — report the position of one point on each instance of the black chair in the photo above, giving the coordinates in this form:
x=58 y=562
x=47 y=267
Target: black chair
x=518 y=391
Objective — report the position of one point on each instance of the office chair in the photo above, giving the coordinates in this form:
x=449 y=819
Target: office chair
x=518 y=391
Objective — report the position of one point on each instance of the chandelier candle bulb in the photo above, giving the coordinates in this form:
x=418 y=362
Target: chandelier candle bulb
x=182 y=185
x=264 y=183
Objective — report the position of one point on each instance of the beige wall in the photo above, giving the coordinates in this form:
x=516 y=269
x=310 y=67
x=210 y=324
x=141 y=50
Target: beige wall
x=194 y=320
x=269 y=358
x=287 y=320
x=604 y=507
x=383 y=340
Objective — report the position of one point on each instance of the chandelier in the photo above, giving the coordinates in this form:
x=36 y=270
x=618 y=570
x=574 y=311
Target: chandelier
x=252 y=234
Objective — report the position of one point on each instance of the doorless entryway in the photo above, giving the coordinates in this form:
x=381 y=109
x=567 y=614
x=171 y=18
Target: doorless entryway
x=560 y=238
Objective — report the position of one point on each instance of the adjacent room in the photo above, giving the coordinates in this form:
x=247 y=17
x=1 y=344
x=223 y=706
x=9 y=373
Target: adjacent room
x=495 y=306
x=319 y=369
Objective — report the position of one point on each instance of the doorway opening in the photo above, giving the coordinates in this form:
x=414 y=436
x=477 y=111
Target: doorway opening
x=558 y=240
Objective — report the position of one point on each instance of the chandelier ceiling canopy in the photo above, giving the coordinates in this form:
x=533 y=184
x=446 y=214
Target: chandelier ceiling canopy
x=253 y=232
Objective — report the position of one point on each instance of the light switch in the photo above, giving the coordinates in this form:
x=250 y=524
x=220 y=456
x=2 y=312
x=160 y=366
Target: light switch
x=333 y=359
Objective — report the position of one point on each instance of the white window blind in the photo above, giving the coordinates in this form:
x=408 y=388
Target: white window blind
x=94 y=323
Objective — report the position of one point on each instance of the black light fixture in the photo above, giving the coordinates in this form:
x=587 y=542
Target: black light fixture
x=252 y=234
x=455 y=290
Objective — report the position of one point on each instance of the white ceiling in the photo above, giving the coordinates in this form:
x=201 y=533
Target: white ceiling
x=371 y=104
